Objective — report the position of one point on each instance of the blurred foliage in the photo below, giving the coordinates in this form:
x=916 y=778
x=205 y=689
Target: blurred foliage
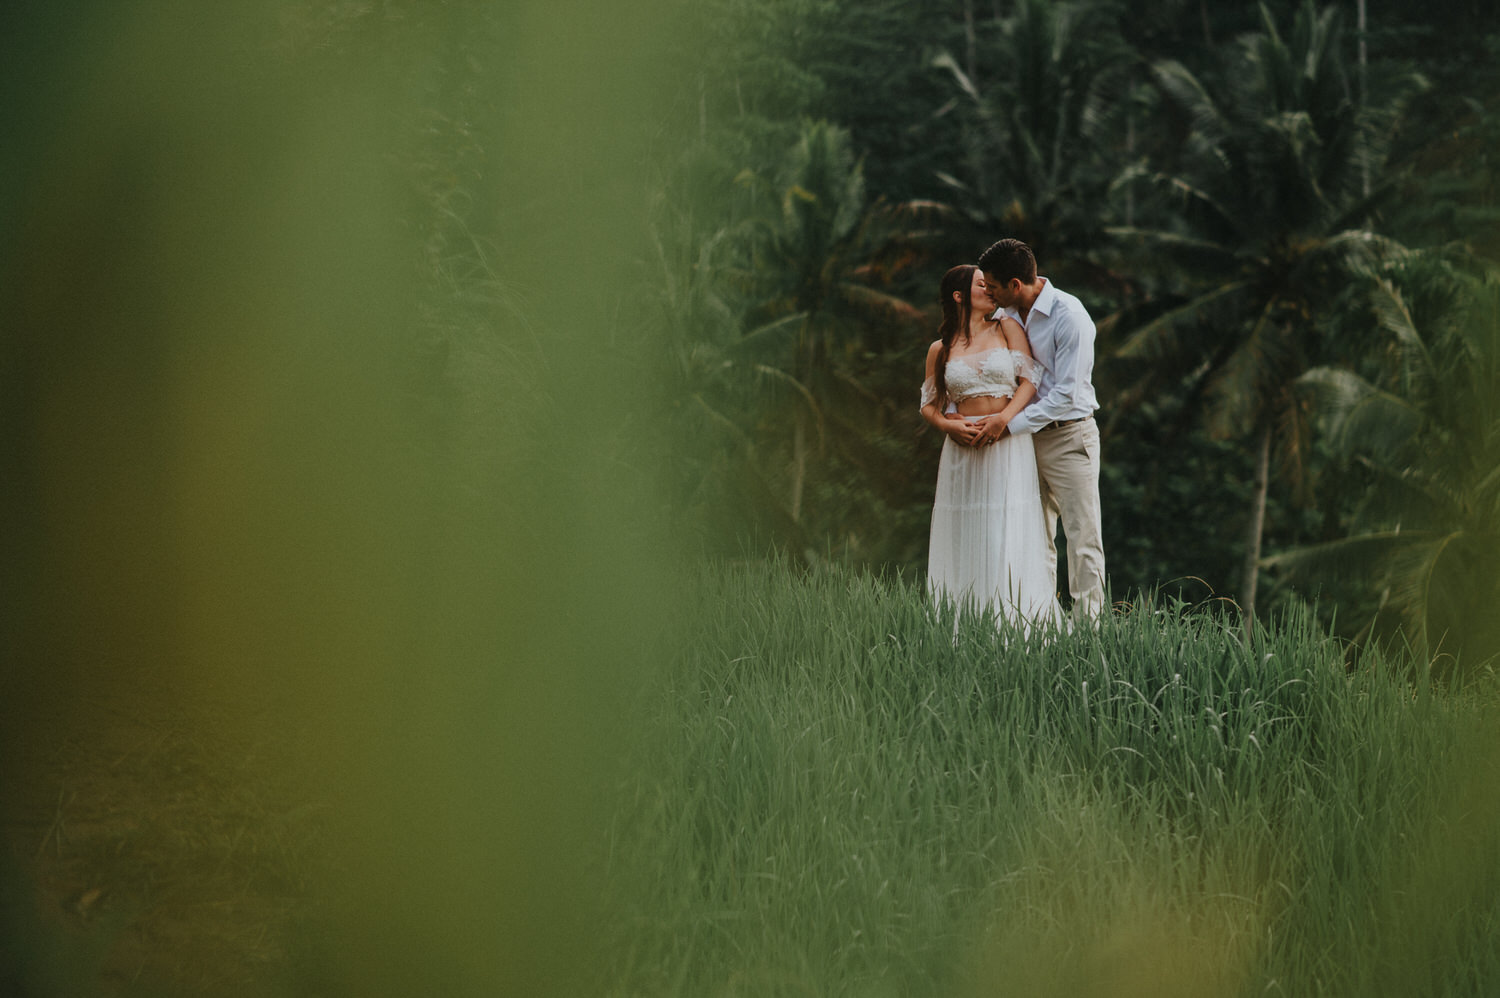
x=1426 y=429
x=322 y=396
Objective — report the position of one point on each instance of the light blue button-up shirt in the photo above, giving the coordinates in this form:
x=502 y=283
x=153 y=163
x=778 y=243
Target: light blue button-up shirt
x=1062 y=341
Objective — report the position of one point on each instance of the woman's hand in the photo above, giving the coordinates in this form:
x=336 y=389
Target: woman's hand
x=961 y=431
x=991 y=429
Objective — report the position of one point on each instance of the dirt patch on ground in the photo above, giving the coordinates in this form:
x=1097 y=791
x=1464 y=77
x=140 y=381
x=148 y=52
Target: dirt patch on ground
x=155 y=843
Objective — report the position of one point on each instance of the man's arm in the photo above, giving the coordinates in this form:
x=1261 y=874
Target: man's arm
x=1073 y=361
x=995 y=426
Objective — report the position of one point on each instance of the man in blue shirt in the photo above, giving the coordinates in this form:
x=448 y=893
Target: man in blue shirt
x=1061 y=417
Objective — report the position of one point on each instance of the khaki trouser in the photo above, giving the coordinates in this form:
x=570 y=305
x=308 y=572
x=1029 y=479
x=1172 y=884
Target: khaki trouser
x=1067 y=459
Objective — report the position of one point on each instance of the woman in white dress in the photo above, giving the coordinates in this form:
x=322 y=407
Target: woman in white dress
x=988 y=547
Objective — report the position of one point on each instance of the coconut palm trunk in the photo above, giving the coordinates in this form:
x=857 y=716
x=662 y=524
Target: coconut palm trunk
x=799 y=466
x=1256 y=527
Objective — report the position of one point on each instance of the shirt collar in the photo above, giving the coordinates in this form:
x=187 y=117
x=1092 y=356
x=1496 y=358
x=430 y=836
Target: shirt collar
x=1043 y=304
x=1045 y=299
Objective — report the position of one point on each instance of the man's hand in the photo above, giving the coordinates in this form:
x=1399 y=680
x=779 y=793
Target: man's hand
x=991 y=429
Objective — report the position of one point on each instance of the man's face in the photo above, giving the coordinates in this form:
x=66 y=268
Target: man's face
x=1001 y=293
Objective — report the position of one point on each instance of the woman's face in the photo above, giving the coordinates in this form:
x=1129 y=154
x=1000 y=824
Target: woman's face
x=1002 y=295
x=979 y=297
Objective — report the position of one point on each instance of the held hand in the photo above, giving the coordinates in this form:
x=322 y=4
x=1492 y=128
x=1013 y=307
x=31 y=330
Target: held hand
x=991 y=429
x=962 y=431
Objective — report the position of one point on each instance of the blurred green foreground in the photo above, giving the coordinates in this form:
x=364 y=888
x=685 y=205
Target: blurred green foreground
x=326 y=533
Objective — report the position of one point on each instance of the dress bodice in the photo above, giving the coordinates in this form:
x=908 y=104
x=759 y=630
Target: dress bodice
x=992 y=372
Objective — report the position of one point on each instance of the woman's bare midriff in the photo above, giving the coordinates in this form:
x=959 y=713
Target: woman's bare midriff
x=983 y=405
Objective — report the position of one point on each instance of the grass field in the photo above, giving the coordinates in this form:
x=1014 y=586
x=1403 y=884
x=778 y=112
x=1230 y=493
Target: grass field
x=826 y=788
x=843 y=793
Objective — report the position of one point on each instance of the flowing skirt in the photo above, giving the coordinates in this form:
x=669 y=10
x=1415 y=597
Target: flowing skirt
x=988 y=546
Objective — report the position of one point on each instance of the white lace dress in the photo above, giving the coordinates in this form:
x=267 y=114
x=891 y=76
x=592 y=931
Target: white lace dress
x=988 y=546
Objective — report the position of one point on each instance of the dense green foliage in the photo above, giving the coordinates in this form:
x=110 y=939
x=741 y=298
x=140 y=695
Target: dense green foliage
x=1426 y=429
x=1227 y=191
x=842 y=791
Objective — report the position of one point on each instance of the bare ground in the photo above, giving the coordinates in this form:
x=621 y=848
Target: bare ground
x=155 y=844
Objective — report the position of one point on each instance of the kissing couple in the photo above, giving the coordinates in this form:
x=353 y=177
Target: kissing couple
x=1008 y=381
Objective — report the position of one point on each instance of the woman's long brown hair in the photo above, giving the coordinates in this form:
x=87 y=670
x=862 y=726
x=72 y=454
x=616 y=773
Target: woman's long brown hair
x=955 y=323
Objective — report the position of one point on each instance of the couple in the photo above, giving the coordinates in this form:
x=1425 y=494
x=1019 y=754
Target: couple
x=1008 y=382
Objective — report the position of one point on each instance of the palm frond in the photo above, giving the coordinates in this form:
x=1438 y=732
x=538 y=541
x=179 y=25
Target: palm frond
x=763 y=336
x=1178 y=242
x=1163 y=336
x=720 y=420
x=944 y=60
x=1413 y=578
x=1348 y=560
x=1181 y=87
x=1393 y=316
x=875 y=302
x=779 y=376
x=1362 y=419
x=1242 y=387
x=1359 y=250
x=1412 y=494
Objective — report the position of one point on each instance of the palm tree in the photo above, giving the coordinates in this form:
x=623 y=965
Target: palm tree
x=1042 y=116
x=1428 y=433
x=1268 y=227
x=772 y=316
x=811 y=274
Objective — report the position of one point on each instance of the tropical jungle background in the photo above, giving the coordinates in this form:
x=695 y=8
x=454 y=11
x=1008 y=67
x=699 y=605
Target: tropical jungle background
x=1281 y=217
x=465 y=501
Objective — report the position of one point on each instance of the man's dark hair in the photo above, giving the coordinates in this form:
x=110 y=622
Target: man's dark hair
x=1009 y=259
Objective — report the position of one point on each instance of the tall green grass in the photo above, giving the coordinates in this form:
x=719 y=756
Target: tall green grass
x=840 y=791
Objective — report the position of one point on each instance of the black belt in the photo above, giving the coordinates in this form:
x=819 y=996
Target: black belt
x=1062 y=422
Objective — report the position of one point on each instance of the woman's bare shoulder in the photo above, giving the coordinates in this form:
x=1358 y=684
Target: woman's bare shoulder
x=1014 y=335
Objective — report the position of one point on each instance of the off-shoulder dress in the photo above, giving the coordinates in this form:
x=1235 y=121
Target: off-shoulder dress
x=988 y=545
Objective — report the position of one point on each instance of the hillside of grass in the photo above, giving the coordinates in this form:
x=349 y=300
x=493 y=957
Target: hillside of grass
x=840 y=791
